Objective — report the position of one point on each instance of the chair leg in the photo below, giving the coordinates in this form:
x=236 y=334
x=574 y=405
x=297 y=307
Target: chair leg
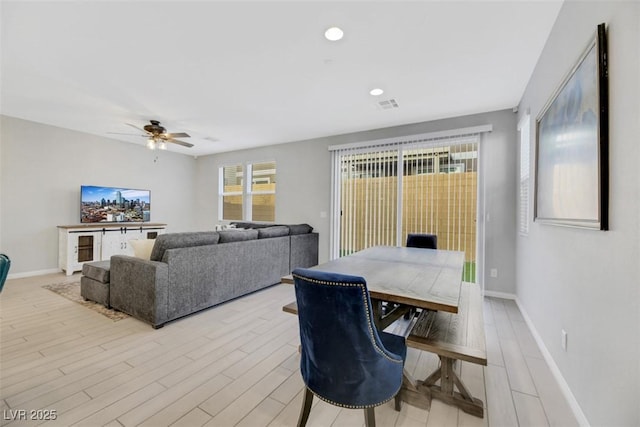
x=369 y=417
x=306 y=407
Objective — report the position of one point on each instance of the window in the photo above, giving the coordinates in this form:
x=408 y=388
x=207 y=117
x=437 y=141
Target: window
x=383 y=192
x=231 y=179
x=254 y=200
x=263 y=192
x=523 y=220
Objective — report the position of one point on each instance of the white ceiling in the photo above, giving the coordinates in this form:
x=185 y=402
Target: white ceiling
x=243 y=74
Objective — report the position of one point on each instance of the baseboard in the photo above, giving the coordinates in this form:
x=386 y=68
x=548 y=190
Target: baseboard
x=33 y=273
x=564 y=387
x=495 y=294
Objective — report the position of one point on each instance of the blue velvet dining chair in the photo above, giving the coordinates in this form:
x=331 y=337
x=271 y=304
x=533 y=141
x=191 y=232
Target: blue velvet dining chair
x=344 y=360
x=425 y=241
x=5 y=264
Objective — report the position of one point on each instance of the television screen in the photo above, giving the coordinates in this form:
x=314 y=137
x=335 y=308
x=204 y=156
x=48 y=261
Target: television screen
x=110 y=204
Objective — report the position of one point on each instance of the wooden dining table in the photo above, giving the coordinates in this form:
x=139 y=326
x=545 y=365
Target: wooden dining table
x=409 y=278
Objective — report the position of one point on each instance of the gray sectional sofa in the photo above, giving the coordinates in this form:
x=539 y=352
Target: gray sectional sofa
x=189 y=272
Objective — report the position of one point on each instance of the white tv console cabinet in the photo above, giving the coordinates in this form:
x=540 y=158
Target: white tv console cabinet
x=78 y=244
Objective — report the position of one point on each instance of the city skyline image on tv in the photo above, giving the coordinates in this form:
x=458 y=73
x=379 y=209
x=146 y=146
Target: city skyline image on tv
x=114 y=204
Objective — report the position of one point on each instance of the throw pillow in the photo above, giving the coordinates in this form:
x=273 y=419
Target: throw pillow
x=142 y=247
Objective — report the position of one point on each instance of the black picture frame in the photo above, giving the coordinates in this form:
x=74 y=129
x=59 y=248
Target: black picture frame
x=572 y=145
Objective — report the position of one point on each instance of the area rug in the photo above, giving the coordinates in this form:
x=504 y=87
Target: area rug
x=71 y=291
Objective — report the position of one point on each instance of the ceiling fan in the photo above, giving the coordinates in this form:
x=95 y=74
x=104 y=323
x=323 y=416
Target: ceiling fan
x=158 y=137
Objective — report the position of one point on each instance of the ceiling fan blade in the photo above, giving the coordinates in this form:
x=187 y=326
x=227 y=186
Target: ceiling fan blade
x=121 y=133
x=136 y=127
x=177 y=141
x=178 y=135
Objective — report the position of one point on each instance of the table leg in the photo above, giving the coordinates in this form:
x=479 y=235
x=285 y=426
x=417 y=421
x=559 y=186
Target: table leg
x=446 y=375
x=446 y=392
x=383 y=320
x=413 y=394
x=377 y=312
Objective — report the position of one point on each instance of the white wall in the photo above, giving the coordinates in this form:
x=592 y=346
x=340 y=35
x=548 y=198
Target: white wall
x=304 y=183
x=588 y=282
x=42 y=168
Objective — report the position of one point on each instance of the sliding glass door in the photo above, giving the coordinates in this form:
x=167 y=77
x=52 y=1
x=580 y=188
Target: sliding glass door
x=385 y=193
x=369 y=183
x=439 y=196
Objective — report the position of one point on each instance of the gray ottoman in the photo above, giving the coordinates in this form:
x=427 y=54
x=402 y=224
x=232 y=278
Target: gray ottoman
x=94 y=283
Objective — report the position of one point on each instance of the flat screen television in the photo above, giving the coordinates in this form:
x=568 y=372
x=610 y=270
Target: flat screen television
x=114 y=204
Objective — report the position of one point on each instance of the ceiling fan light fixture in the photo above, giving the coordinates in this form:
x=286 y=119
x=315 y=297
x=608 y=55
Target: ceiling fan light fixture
x=158 y=137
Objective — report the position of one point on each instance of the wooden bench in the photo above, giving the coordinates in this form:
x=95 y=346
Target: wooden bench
x=291 y=308
x=452 y=337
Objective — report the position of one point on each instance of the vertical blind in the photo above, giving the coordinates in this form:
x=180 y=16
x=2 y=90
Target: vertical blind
x=384 y=190
x=525 y=147
x=368 y=199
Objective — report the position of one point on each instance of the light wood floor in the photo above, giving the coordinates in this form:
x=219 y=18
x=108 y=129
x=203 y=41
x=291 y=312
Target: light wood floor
x=234 y=365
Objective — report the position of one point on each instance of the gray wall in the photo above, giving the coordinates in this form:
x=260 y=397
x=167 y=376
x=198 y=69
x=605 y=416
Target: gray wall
x=304 y=183
x=42 y=168
x=587 y=282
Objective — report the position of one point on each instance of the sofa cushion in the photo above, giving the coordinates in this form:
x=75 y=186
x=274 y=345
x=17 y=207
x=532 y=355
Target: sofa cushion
x=182 y=240
x=227 y=236
x=300 y=229
x=250 y=225
x=142 y=247
x=274 y=231
x=98 y=271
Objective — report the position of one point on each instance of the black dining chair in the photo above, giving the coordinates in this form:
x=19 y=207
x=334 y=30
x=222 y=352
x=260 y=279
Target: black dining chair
x=424 y=241
x=344 y=360
x=5 y=264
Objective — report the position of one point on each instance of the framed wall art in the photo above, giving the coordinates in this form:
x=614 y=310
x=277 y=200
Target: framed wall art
x=572 y=162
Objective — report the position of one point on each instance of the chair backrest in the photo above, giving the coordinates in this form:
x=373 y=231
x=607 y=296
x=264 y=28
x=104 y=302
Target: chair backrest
x=343 y=360
x=5 y=264
x=425 y=241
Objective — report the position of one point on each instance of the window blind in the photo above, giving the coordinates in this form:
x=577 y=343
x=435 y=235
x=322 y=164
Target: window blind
x=525 y=147
x=422 y=184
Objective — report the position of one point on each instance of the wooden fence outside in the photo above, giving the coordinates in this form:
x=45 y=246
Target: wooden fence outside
x=263 y=205
x=441 y=204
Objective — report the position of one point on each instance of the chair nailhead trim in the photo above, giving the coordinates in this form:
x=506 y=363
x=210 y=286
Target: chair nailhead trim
x=366 y=306
x=373 y=405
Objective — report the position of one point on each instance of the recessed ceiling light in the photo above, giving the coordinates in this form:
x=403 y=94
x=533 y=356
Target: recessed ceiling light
x=376 y=92
x=334 y=34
